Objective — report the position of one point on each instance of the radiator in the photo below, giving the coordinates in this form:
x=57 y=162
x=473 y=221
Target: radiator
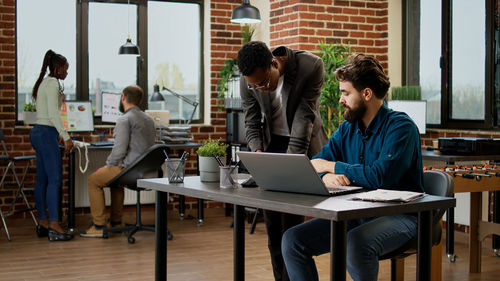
x=97 y=159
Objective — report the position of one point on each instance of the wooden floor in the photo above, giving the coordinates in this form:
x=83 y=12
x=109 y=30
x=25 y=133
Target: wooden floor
x=196 y=253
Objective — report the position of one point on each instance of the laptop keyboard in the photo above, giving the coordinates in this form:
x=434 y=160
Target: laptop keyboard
x=342 y=189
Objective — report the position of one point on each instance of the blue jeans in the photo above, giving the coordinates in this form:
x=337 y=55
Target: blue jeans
x=44 y=140
x=367 y=239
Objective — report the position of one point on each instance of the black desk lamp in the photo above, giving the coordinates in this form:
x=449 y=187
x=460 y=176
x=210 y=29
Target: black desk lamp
x=157 y=96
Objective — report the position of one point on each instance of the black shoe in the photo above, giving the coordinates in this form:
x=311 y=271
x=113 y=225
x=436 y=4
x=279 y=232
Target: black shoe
x=41 y=231
x=57 y=236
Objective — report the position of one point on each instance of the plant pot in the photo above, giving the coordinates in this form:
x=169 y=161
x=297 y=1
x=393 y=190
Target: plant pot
x=29 y=117
x=209 y=169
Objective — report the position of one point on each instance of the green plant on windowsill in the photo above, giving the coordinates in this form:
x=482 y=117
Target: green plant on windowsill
x=406 y=93
x=212 y=148
x=29 y=107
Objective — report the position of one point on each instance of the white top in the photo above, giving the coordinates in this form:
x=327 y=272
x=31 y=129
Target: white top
x=48 y=106
x=279 y=125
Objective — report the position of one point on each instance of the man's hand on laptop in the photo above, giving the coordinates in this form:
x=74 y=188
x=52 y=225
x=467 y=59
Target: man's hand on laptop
x=323 y=166
x=333 y=179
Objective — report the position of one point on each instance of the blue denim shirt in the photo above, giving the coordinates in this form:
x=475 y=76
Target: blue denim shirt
x=386 y=155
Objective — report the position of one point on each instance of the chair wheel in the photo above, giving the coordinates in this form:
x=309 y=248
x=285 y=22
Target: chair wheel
x=131 y=240
x=453 y=258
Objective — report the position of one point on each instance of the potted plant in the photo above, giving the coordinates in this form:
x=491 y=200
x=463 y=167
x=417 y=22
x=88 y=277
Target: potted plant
x=208 y=166
x=333 y=56
x=29 y=114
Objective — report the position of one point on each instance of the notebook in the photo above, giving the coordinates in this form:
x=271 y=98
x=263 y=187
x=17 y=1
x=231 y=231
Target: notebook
x=289 y=173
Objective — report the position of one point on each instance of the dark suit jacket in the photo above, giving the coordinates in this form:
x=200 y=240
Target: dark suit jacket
x=301 y=93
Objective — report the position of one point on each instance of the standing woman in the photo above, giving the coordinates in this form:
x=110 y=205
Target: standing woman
x=44 y=137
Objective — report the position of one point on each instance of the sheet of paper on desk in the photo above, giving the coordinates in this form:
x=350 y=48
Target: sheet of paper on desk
x=384 y=195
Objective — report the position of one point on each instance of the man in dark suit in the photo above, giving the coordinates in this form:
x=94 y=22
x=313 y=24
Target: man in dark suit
x=281 y=91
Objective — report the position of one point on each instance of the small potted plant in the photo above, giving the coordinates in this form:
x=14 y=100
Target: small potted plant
x=29 y=114
x=209 y=168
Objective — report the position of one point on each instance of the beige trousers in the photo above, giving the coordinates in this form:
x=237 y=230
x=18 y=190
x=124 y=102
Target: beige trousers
x=96 y=182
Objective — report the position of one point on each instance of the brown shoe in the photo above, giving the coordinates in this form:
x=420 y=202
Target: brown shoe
x=93 y=231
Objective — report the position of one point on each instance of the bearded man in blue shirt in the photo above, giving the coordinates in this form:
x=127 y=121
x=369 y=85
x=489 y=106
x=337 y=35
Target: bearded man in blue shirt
x=375 y=147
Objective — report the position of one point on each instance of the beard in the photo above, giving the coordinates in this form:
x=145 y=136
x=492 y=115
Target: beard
x=121 y=108
x=353 y=115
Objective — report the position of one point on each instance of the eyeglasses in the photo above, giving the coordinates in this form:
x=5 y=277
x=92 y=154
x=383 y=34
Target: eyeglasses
x=262 y=85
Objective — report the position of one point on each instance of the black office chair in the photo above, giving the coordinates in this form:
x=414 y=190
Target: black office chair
x=148 y=165
x=11 y=161
x=435 y=183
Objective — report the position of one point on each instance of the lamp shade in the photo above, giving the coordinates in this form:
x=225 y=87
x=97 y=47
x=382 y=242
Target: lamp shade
x=246 y=13
x=128 y=48
x=157 y=96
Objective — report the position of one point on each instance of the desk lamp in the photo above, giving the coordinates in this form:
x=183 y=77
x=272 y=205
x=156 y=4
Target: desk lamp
x=157 y=96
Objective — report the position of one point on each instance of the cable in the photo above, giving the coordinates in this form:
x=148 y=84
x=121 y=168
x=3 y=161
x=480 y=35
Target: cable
x=78 y=145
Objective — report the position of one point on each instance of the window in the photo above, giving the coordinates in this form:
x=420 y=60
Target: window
x=175 y=61
x=109 y=71
x=452 y=62
x=36 y=35
x=169 y=33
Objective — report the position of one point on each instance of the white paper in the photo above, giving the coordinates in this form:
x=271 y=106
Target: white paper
x=384 y=195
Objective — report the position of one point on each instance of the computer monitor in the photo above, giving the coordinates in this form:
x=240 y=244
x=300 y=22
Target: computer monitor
x=416 y=109
x=110 y=107
x=77 y=116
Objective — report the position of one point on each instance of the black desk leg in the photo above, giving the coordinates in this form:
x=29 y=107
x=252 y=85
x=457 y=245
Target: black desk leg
x=71 y=191
x=496 y=219
x=161 y=236
x=424 y=246
x=450 y=234
x=182 y=206
x=239 y=243
x=200 y=212
x=338 y=250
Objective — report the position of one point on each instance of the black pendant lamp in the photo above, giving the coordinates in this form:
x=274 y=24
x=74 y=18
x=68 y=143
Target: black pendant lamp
x=128 y=48
x=246 y=13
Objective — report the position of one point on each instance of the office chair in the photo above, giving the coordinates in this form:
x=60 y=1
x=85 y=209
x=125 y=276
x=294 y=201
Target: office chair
x=435 y=183
x=148 y=165
x=11 y=161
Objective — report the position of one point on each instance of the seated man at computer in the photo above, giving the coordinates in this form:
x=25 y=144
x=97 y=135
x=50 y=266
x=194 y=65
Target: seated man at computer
x=134 y=133
x=375 y=147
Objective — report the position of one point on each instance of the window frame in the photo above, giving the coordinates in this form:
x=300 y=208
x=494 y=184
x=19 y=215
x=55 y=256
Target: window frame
x=446 y=121
x=82 y=57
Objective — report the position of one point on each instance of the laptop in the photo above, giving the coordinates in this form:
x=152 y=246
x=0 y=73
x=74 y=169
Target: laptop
x=289 y=173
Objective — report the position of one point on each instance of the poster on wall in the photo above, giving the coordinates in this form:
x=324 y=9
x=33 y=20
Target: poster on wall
x=77 y=116
x=111 y=107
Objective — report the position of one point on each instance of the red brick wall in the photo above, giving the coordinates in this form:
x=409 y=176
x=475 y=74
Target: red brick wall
x=301 y=24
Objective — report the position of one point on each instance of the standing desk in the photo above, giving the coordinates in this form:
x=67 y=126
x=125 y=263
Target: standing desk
x=479 y=229
x=71 y=179
x=337 y=209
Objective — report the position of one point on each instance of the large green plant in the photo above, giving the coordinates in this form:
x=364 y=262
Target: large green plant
x=333 y=56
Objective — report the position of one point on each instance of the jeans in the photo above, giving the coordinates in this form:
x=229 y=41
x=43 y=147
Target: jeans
x=44 y=140
x=367 y=239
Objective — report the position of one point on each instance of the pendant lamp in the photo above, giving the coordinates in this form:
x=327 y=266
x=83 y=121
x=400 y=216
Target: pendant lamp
x=128 y=48
x=245 y=13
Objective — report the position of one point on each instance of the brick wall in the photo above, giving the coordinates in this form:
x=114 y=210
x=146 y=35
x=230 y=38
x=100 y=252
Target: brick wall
x=301 y=24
